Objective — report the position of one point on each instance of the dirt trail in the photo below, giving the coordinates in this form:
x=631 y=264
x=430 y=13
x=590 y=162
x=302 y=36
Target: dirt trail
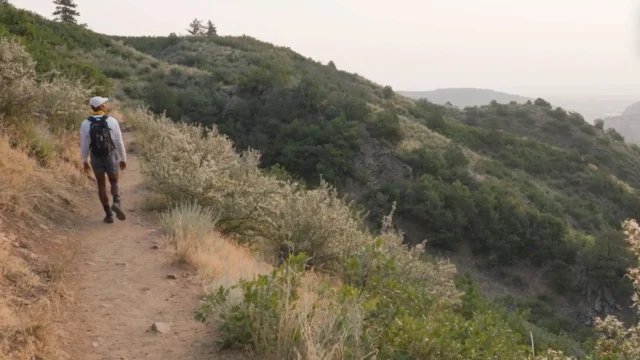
x=120 y=288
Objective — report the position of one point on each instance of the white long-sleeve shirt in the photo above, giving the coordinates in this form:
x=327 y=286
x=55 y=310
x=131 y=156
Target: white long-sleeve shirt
x=116 y=136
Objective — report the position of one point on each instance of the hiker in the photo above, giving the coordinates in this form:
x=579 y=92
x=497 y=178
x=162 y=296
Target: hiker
x=101 y=135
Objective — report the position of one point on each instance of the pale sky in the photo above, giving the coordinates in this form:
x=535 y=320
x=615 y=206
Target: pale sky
x=532 y=48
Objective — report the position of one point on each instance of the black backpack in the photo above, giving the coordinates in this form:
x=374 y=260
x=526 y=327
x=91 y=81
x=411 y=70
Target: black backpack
x=101 y=142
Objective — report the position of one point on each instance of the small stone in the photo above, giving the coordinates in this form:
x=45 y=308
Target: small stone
x=44 y=227
x=155 y=247
x=107 y=306
x=160 y=328
x=94 y=344
x=122 y=264
x=172 y=276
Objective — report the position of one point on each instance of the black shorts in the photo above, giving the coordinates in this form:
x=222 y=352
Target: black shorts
x=107 y=165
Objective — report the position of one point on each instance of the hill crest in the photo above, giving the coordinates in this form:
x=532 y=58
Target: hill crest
x=463 y=97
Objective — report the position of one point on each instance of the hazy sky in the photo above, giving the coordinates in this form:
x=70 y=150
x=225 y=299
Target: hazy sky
x=528 y=47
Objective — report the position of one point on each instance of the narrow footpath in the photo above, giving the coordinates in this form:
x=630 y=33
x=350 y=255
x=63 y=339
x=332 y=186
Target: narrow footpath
x=121 y=286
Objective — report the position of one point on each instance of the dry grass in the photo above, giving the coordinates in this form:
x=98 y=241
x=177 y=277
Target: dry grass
x=418 y=136
x=190 y=230
x=27 y=306
x=221 y=262
x=26 y=188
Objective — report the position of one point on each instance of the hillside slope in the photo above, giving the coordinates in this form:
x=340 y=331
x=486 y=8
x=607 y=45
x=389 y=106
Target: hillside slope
x=519 y=189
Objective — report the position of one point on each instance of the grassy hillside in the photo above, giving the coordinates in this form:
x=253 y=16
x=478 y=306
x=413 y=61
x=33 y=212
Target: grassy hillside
x=527 y=196
x=463 y=97
x=40 y=188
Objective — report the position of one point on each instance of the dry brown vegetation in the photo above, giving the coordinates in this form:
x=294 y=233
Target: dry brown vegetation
x=190 y=230
x=39 y=183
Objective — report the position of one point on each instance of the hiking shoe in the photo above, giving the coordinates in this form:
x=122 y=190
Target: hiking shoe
x=108 y=219
x=119 y=213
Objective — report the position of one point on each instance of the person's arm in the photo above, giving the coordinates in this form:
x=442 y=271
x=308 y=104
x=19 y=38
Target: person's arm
x=84 y=141
x=118 y=140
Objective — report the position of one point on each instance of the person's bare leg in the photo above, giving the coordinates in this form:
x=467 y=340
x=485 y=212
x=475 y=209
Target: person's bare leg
x=102 y=194
x=115 y=192
x=102 y=189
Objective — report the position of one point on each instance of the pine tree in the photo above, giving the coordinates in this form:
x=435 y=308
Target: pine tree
x=211 y=29
x=196 y=28
x=66 y=11
x=4 y=2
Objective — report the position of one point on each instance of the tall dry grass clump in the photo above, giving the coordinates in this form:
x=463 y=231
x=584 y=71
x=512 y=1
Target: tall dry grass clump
x=190 y=231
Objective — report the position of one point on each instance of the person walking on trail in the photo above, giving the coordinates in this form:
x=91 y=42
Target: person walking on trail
x=101 y=138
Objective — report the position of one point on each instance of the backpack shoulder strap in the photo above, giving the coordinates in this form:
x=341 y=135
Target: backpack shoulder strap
x=104 y=117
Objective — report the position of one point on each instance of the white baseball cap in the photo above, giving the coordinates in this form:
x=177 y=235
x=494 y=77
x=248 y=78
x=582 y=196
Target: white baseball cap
x=97 y=101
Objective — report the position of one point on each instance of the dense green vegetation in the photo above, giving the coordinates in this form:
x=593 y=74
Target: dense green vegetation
x=300 y=114
x=519 y=184
x=56 y=46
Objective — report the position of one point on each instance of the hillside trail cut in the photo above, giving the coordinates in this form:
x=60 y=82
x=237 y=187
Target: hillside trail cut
x=121 y=286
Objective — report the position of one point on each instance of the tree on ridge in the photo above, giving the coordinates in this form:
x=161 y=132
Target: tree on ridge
x=66 y=11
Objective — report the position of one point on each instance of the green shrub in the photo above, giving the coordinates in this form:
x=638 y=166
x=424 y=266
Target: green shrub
x=40 y=142
x=385 y=125
x=559 y=114
x=377 y=311
x=542 y=103
x=561 y=276
x=615 y=135
x=387 y=92
x=588 y=129
x=599 y=124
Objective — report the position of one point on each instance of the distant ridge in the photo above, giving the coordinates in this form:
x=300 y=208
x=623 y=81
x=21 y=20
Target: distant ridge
x=633 y=109
x=463 y=97
x=627 y=123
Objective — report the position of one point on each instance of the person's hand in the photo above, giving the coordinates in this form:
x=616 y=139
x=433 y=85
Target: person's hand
x=86 y=167
x=123 y=165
